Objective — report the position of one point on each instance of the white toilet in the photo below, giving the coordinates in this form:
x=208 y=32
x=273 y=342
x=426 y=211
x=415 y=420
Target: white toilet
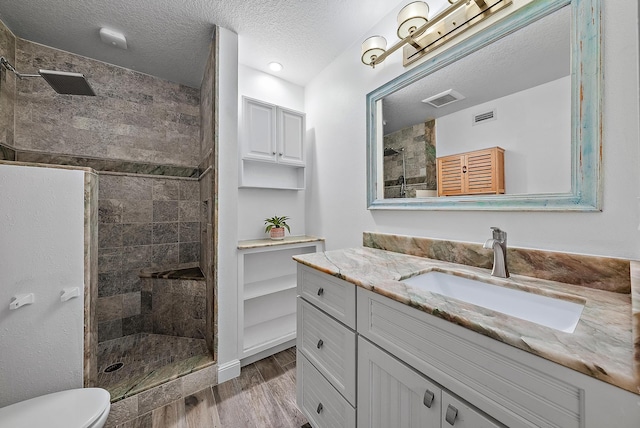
x=73 y=408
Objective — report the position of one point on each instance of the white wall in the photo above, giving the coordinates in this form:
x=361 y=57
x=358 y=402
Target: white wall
x=254 y=205
x=336 y=198
x=532 y=126
x=41 y=252
x=227 y=270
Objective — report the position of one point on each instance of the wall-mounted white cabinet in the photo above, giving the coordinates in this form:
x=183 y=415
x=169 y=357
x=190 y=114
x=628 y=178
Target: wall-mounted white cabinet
x=272 y=146
x=267 y=293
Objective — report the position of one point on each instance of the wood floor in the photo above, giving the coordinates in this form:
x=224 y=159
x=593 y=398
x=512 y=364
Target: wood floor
x=264 y=396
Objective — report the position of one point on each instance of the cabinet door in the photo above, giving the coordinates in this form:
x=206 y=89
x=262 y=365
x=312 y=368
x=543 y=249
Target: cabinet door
x=259 y=130
x=456 y=413
x=291 y=129
x=450 y=175
x=391 y=394
x=484 y=171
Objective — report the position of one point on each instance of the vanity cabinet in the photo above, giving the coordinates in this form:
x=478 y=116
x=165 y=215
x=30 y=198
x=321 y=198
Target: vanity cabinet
x=471 y=173
x=418 y=370
x=272 y=142
x=326 y=349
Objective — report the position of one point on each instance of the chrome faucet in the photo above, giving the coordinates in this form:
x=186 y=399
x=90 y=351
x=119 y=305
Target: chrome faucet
x=499 y=246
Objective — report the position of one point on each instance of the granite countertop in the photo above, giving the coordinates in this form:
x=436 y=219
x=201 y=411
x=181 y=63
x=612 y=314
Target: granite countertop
x=602 y=345
x=261 y=243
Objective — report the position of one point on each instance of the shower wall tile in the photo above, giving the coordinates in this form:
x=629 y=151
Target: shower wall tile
x=109 y=329
x=189 y=211
x=165 y=233
x=165 y=210
x=109 y=308
x=110 y=211
x=139 y=229
x=137 y=234
x=189 y=231
x=165 y=255
x=137 y=211
x=134 y=117
x=131 y=304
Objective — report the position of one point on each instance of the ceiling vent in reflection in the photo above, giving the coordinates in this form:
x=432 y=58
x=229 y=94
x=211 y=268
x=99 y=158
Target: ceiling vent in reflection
x=486 y=116
x=444 y=98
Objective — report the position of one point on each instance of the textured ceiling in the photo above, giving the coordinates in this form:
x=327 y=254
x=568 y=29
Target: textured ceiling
x=537 y=54
x=170 y=39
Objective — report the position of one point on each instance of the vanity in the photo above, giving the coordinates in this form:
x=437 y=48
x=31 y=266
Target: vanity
x=374 y=351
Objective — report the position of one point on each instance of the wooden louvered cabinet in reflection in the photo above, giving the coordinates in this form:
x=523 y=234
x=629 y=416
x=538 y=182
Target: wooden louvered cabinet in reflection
x=471 y=173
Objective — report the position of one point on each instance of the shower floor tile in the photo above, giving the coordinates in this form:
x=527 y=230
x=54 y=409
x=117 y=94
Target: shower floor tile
x=148 y=361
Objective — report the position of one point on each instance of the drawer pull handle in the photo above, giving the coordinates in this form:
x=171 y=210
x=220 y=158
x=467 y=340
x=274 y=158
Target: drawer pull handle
x=320 y=343
x=452 y=413
x=320 y=291
x=428 y=398
x=319 y=409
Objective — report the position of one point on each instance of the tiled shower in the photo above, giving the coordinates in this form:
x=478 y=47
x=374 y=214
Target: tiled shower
x=155 y=190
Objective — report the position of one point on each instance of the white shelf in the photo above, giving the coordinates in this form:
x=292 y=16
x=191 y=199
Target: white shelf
x=268 y=334
x=265 y=175
x=267 y=293
x=269 y=286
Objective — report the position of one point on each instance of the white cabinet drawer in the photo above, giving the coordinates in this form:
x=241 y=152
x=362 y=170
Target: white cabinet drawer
x=456 y=413
x=333 y=295
x=330 y=346
x=320 y=403
x=488 y=374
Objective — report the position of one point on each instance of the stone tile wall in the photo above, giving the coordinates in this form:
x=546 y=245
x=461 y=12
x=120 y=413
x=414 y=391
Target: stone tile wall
x=134 y=117
x=209 y=190
x=419 y=146
x=7 y=90
x=144 y=222
x=175 y=307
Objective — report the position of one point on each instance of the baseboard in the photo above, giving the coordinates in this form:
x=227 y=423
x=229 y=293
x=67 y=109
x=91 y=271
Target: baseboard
x=267 y=352
x=228 y=371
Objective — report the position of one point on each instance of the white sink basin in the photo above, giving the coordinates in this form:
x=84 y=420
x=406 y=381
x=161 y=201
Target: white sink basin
x=555 y=313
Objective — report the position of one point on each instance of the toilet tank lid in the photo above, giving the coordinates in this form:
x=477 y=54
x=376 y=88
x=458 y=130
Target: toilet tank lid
x=71 y=408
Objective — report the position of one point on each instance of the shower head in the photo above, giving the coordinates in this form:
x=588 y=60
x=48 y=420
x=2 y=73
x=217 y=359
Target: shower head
x=62 y=82
x=67 y=83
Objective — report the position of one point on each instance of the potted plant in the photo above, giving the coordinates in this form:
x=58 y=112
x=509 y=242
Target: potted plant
x=275 y=226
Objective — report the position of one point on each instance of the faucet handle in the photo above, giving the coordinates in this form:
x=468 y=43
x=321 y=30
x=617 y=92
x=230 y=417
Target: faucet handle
x=498 y=233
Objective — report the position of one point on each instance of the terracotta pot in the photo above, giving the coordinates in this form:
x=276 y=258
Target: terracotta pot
x=277 y=233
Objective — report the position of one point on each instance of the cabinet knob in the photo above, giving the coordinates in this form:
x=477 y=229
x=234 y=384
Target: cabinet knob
x=428 y=398
x=320 y=343
x=273 y=153
x=464 y=169
x=280 y=154
x=451 y=415
x=320 y=291
x=319 y=409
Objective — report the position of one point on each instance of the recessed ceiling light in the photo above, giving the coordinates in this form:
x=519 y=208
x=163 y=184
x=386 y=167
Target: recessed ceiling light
x=275 y=66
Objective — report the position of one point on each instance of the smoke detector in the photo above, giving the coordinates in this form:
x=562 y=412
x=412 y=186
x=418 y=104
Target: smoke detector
x=113 y=38
x=444 y=98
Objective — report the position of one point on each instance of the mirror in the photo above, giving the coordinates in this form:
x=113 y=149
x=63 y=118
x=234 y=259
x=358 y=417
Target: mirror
x=529 y=84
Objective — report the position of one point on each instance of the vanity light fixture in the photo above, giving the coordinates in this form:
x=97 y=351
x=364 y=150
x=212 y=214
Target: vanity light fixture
x=419 y=35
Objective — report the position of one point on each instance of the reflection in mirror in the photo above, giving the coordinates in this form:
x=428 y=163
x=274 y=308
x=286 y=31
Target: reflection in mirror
x=529 y=85
x=514 y=93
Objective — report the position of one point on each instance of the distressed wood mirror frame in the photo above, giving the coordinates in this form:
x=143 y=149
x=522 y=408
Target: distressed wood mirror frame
x=586 y=121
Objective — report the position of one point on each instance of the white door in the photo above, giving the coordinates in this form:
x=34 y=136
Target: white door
x=391 y=394
x=41 y=253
